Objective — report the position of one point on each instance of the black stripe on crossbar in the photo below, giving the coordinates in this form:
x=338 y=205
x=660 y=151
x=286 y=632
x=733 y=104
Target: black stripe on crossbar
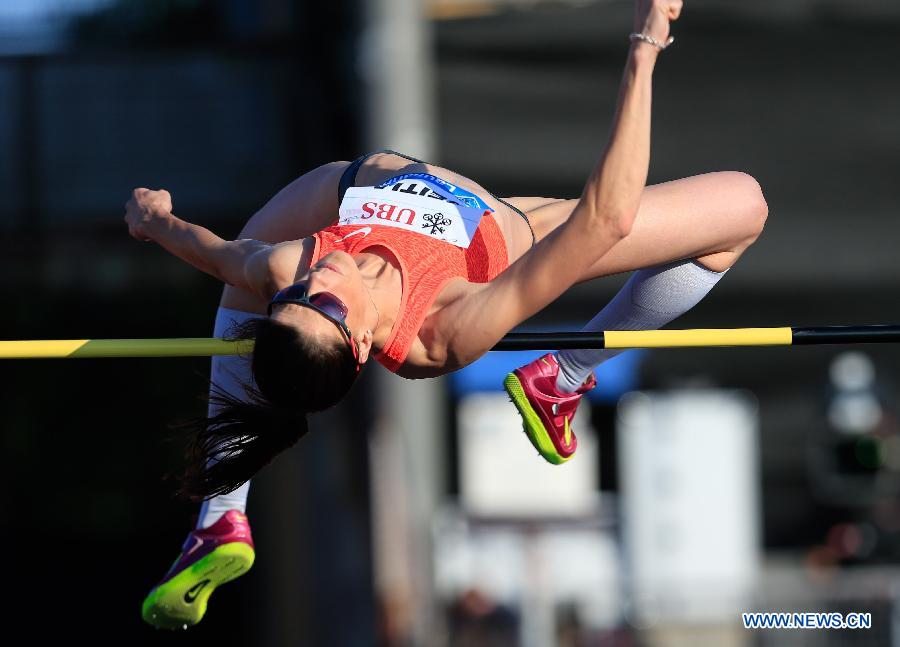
x=845 y=335
x=550 y=341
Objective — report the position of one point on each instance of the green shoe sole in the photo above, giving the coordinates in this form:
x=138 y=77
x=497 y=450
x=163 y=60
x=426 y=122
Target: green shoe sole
x=532 y=424
x=181 y=602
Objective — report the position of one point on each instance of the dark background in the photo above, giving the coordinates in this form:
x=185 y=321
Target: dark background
x=224 y=103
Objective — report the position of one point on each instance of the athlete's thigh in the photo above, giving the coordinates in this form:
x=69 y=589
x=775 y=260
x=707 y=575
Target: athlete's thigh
x=531 y=203
x=686 y=218
x=305 y=206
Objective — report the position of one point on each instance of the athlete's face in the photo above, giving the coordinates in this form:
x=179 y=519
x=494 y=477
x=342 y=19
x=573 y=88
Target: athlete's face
x=337 y=274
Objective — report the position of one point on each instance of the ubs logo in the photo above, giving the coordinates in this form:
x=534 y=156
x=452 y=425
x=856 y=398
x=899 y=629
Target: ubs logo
x=388 y=211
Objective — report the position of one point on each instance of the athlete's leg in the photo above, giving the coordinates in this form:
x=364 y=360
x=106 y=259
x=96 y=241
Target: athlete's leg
x=231 y=373
x=712 y=218
x=530 y=203
x=654 y=296
x=310 y=203
x=220 y=548
x=305 y=206
x=689 y=235
x=650 y=299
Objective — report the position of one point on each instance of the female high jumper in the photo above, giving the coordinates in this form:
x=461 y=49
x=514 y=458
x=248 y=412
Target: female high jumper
x=425 y=270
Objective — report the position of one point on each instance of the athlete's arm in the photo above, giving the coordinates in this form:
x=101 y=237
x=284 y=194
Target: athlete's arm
x=251 y=265
x=472 y=324
x=303 y=207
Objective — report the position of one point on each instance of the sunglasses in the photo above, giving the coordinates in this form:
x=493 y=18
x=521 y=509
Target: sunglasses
x=325 y=303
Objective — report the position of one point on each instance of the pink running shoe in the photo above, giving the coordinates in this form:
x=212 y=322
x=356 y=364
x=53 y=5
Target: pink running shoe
x=546 y=412
x=209 y=557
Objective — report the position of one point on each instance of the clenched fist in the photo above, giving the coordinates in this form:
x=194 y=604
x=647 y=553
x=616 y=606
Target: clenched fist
x=652 y=17
x=145 y=210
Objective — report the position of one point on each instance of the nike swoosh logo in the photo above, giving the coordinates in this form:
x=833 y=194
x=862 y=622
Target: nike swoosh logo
x=365 y=231
x=194 y=591
x=195 y=546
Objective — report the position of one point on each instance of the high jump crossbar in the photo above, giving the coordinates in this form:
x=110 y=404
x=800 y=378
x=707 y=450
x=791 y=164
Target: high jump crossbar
x=695 y=338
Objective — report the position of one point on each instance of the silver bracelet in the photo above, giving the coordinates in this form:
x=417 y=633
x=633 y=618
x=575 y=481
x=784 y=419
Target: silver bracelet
x=650 y=40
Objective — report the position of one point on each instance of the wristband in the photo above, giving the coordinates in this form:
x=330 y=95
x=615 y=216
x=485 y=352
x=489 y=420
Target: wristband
x=651 y=41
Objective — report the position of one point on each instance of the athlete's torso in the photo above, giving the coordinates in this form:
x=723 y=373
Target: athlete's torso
x=278 y=222
x=442 y=238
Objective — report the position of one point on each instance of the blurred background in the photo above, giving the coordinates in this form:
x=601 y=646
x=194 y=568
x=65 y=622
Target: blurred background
x=708 y=482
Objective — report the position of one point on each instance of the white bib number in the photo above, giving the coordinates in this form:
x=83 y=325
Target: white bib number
x=416 y=202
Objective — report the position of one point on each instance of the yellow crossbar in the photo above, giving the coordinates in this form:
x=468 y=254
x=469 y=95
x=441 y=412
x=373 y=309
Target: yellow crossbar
x=698 y=337
x=185 y=347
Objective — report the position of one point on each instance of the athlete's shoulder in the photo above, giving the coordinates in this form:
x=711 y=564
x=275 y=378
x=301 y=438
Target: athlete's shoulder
x=279 y=264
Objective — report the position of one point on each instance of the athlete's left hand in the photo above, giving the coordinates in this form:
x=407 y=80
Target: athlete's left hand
x=145 y=210
x=652 y=17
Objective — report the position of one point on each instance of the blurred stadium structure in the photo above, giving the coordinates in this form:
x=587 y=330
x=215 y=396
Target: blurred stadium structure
x=752 y=480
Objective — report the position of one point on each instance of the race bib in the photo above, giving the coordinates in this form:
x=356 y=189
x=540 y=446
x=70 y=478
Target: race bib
x=417 y=202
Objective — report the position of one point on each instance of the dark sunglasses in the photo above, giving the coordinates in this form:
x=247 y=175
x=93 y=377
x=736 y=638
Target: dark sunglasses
x=324 y=303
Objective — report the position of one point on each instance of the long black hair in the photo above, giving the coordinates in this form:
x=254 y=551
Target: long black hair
x=295 y=373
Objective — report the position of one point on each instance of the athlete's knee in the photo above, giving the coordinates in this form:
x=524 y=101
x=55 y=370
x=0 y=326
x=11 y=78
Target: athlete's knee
x=744 y=209
x=746 y=212
x=753 y=210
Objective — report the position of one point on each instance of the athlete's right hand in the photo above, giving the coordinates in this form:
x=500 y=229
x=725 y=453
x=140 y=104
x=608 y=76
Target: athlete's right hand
x=145 y=210
x=652 y=17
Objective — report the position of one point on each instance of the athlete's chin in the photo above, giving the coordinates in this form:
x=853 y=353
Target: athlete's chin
x=341 y=260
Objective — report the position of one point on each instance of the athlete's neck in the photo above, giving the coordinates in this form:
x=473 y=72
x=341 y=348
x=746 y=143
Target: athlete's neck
x=383 y=281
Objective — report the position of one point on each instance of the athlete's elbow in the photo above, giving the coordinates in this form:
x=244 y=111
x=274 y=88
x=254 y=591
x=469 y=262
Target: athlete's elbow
x=618 y=222
x=614 y=212
x=624 y=225
x=614 y=217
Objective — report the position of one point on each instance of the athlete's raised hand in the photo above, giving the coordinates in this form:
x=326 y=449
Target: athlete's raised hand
x=652 y=17
x=145 y=209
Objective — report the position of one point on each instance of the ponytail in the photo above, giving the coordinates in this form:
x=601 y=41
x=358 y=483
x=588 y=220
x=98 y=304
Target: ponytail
x=229 y=448
x=295 y=374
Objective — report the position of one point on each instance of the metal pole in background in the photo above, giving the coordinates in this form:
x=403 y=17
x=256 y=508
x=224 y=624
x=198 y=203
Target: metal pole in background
x=396 y=65
x=406 y=457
